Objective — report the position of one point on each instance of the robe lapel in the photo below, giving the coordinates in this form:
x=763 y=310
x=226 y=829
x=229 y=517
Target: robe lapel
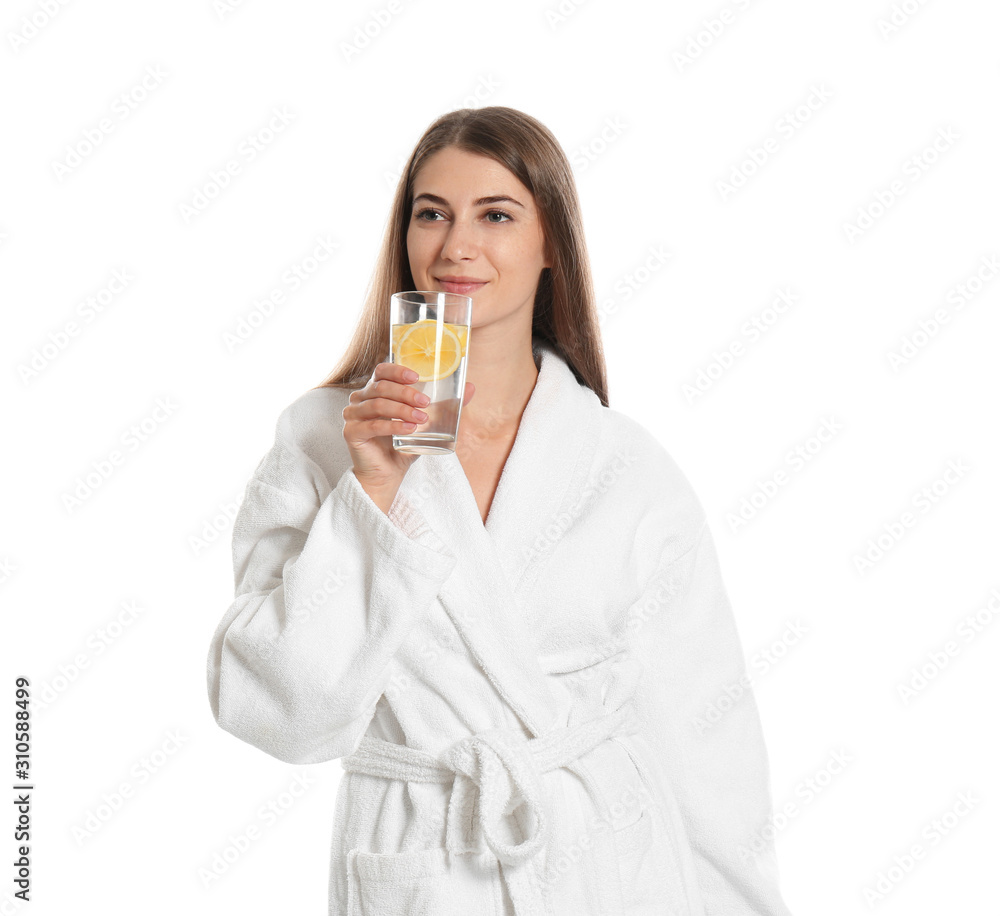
x=487 y=595
x=546 y=471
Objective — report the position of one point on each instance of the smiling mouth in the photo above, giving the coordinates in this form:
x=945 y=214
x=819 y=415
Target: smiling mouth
x=460 y=284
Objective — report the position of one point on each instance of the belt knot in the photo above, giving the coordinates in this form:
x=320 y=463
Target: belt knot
x=496 y=771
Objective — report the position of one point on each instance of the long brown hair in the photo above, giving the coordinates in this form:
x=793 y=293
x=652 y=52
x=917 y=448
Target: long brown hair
x=565 y=312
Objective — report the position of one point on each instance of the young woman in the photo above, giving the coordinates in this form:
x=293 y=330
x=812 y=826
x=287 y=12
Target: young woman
x=523 y=651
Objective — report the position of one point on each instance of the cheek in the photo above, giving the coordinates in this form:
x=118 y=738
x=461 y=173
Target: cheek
x=413 y=250
x=525 y=255
x=531 y=244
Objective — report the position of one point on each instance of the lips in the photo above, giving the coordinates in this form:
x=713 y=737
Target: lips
x=461 y=285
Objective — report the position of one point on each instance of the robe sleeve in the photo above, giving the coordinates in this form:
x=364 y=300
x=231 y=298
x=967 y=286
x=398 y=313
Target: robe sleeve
x=715 y=763
x=326 y=591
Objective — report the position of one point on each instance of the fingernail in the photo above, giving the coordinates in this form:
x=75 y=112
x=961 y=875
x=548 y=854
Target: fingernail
x=410 y=375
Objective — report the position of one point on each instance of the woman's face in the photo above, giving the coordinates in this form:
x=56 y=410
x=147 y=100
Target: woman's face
x=474 y=229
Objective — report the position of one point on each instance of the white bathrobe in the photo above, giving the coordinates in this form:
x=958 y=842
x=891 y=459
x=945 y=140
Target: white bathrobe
x=522 y=708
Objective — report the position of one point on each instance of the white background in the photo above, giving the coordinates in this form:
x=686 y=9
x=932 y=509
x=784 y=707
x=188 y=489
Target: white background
x=851 y=108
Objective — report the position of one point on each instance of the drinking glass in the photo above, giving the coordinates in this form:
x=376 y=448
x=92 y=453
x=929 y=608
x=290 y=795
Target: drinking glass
x=430 y=334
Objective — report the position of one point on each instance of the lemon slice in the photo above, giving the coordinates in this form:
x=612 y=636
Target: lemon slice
x=461 y=332
x=417 y=347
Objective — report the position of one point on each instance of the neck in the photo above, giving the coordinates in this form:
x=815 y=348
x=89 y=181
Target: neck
x=504 y=374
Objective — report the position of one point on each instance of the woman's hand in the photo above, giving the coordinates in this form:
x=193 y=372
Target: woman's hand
x=385 y=407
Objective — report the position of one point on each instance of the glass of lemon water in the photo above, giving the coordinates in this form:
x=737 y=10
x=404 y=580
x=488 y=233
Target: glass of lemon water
x=430 y=334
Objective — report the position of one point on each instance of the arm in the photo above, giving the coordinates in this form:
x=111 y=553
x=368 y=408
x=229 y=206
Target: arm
x=326 y=591
x=690 y=649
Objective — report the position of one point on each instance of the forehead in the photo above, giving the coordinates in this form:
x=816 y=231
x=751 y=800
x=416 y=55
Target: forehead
x=466 y=174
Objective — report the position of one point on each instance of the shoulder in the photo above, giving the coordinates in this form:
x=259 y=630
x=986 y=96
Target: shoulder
x=626 y=437
x=314 y=417
x=640 y=470
x=309 y=454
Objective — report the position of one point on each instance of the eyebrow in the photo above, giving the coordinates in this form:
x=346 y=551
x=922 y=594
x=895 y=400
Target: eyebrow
x=482 y=202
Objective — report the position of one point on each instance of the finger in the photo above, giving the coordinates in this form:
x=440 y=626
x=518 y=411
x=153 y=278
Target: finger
x=393 y=380
x=381 y=426
x=386 y=408
x=397 y=372
x=385 y=389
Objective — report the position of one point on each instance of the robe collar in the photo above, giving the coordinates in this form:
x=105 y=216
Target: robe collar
x=488 y=594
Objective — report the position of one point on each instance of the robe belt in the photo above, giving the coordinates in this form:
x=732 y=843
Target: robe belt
x=502 y=769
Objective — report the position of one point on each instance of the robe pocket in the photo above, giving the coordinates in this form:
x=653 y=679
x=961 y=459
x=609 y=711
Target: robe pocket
x=425 y=882
x=651 y=878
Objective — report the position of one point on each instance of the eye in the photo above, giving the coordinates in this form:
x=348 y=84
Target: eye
x=506 y=217
x=427 y=215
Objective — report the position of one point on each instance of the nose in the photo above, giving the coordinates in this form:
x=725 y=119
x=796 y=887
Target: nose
x=460 y=243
